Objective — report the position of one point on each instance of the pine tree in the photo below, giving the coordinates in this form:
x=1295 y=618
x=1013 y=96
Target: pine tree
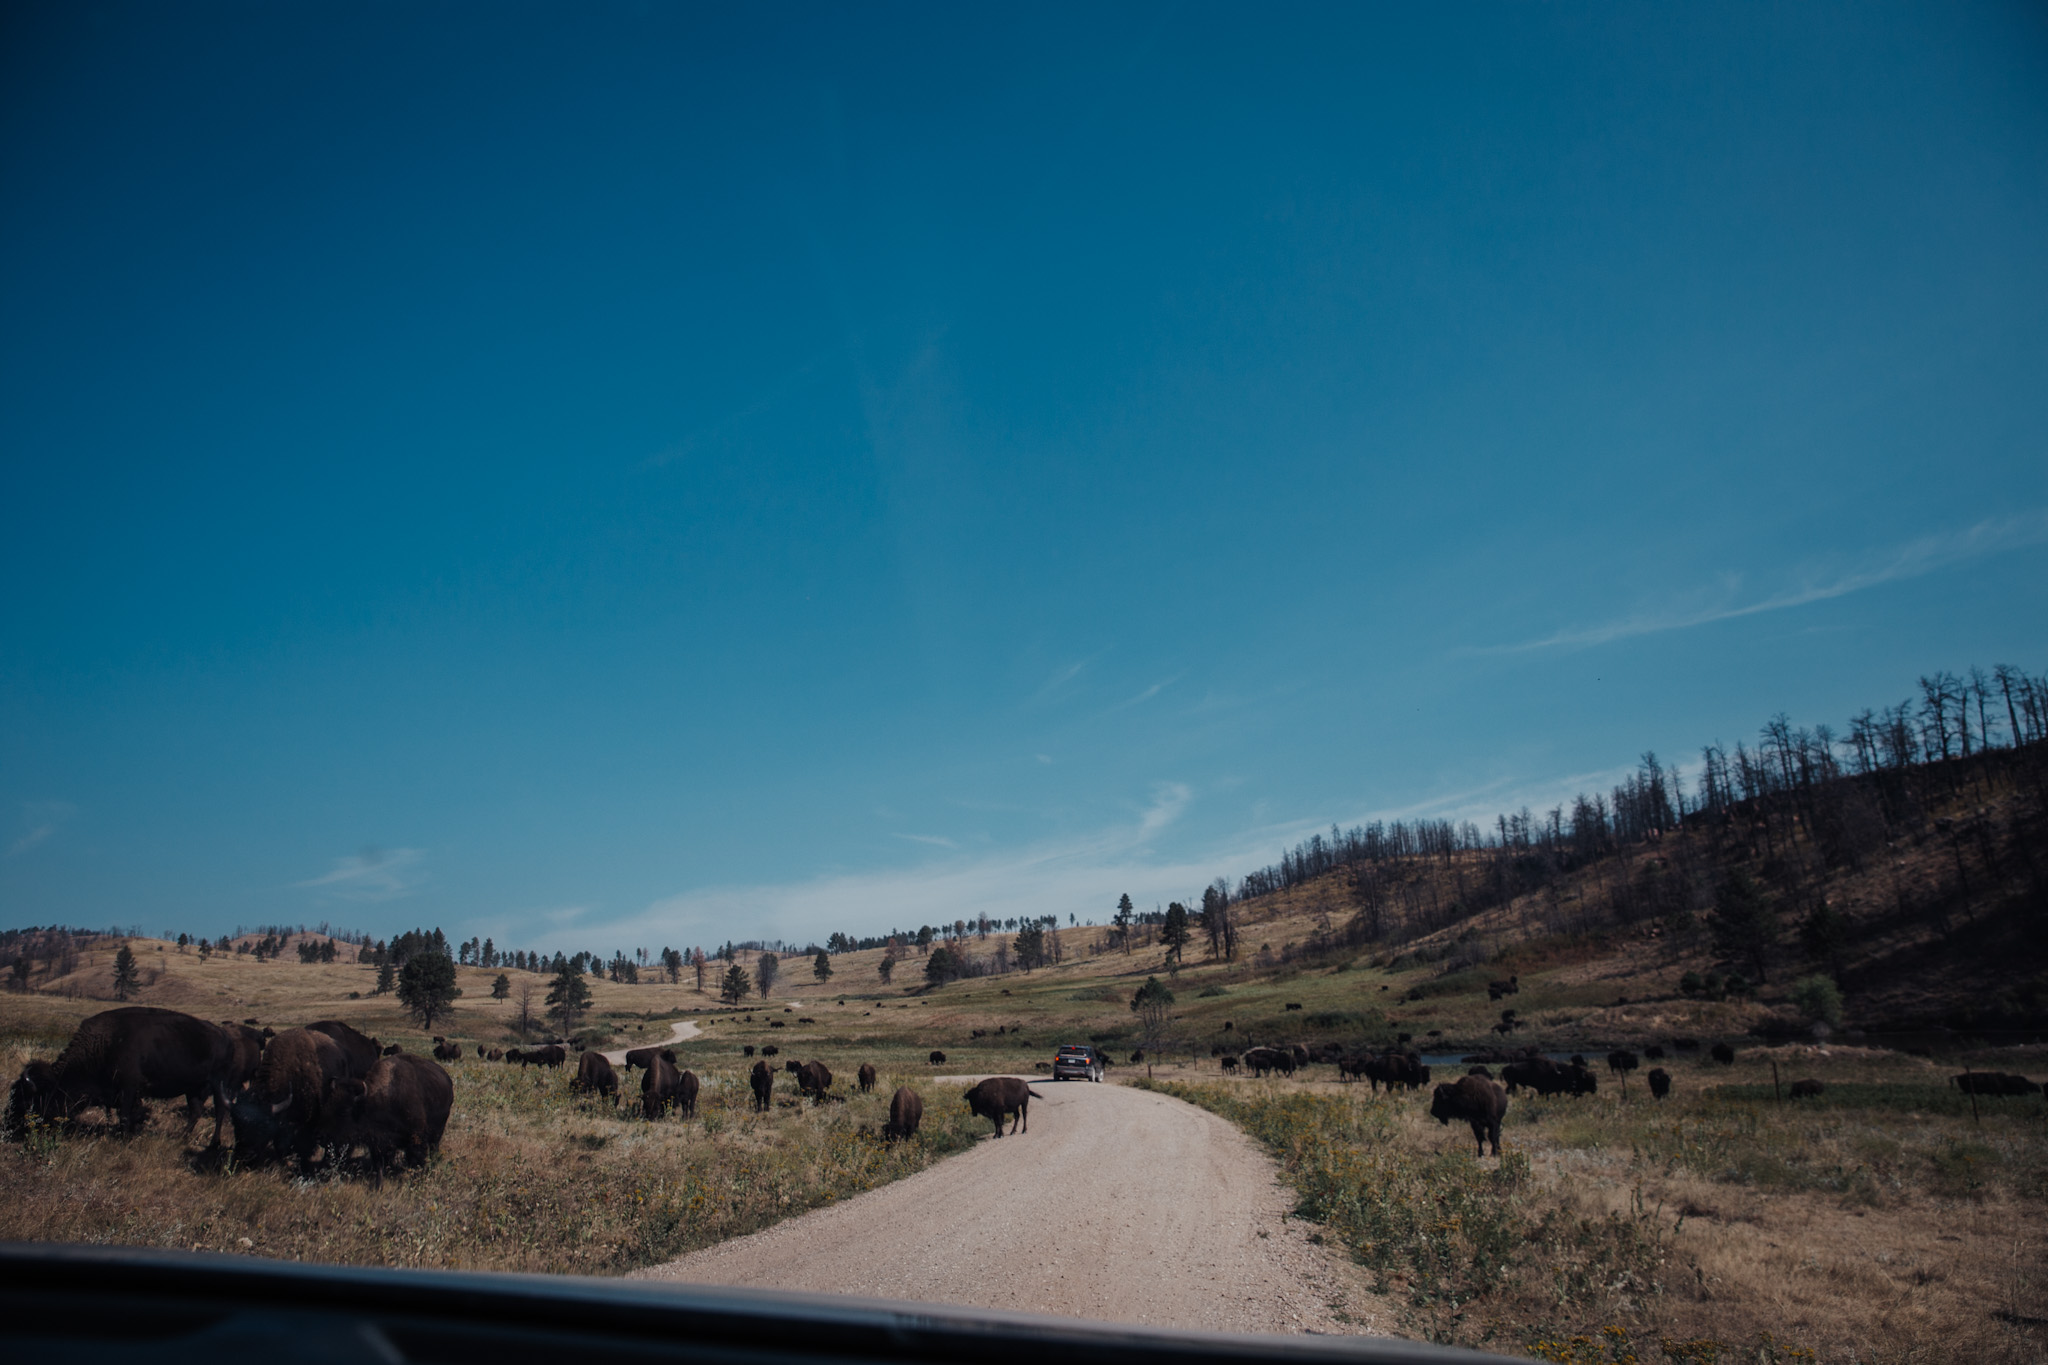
x=568 y=996
x=821 y=966
x=426 y=987
x=126 y=982
x=1744 y=923
x=736 y=986
x=387 y=977
x=1122 y=921
x=502 y=987
x=1174 y=933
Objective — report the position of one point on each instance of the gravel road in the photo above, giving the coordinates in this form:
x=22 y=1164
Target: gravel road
x=686 y=1029
x=1117 y=1204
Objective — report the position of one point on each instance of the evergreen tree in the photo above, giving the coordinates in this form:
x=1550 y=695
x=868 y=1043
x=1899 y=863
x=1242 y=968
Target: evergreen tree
x=942 y=966
x=126 y=981
x=766 y=969
x=821 y=966
x=387 y=977
x=502 y=987
x=1174 y=932
x=885 y=969
x=1744 y=923
x=736 y=986
x=426 y=987
x=568 y=996
x=1122 y=921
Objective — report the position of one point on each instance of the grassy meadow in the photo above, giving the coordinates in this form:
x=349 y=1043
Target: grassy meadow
x=1881 y=1222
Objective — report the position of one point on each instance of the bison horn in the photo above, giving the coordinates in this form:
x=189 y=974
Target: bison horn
x=282 y=1104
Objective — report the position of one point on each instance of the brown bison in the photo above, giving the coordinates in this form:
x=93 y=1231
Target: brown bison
x=866 y=1077
x=1660 y=1082
x=658 y=1088
x=1002 y=1095
x=1621 y=1061
x=813 y=1079
x=1479 y=1102
x=1261 y=1060
x=687 y=1086
x=763 y=1082
x=361 y=1049
x=401 y=1107
x=1496 y=989
x=594 y=1074
x=445 y=1051
x=118 y=1058
x=249 y=1044
x=906 y=1111
x=938 y=1059
x=1994 y=1083
x=641 y=1056
x=496 y=1054
x=285 y=1108
x=1806 y=1089
x=1228 y=1061
x=554 y=1054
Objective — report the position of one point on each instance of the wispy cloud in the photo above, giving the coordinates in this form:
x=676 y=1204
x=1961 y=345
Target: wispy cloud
x=40 y=820
x=375 y=874
x=932 y=839
x=1082 y=875
x=1149 y=693
x=1059 y=678
x=1922 y=556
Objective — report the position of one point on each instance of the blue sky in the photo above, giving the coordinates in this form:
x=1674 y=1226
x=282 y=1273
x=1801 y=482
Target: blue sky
x=638 y=475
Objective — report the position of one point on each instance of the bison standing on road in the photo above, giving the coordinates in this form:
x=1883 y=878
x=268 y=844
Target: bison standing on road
x=1660 y=1082
x=121 y=1057
x=1002 y=1095
x=763 y=1083
x=400 y=1107
x=1478 y=1101
x=594 y=1074
x=906 y=1111
x=866 y=1077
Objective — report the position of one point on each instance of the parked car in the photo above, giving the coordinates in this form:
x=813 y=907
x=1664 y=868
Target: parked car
x=1079 y=1061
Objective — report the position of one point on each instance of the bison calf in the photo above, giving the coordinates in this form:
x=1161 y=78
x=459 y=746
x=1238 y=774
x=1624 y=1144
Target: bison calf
x=866 y=1077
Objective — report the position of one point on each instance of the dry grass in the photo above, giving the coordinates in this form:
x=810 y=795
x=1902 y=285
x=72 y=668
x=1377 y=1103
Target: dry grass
x=529 y=1178
x=1881 y=1223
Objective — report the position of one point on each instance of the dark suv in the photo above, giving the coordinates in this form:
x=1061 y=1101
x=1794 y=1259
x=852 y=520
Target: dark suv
x=1079 y=1060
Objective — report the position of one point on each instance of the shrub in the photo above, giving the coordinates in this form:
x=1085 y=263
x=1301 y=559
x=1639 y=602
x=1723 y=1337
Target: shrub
x=1818 y=999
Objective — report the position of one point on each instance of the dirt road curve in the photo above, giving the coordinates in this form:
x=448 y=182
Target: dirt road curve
x=1118 y=1205
x=686 y=1029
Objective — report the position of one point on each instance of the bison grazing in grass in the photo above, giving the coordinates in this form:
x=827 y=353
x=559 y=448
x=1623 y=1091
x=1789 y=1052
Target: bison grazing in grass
x=121 y=1057
x=658 y=1088
x=866 y=1077
x=1002 y=1095
x=763 y=1082
x=1479 y=1102
x=594 y=1075
x=906 y=1111
x=1496 y=989
x=249 y=1045
x=496 y=1054
x=938 y=1059
x=445 y=1051
x=1723 y=1054
x=641 y=1056
x=1806 y=1089
x=401 y=1107
x=1994 y=1083
x=361 y=1049
x=813 y=1079
x=1621 y=1062
x=1660 y=1082
x=1653 y=1053
x=283 y=1111
x=554 y=1054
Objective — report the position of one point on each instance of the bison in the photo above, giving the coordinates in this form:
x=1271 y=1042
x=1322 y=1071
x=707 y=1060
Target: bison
x=641 y=1056
x=554 y=1054
x=400 y=1107
x=1479 y=1102
x=1621 y=1061
x=1261 y=1060
x=763 y=1082
x=285 y=1107
x=906 y=1111
x=496 y=1054
x=445 y=1051
x=594 y=1074
x=938 y=1058
x=1723 y=1054
x=1994 y=1083
x=1229 y=1063
x=1485 y=1072
x=687 y=1086
x=658 y=1088
x=1002 y=1095
x=1660 y=1082
x=866 y=1077
x=361 y=1049
x=249 y=1044
x=118 y=1058
x=1806 y=1089
x=1496 y=989
x=813 y=1079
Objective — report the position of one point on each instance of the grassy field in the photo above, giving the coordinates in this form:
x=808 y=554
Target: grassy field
x=1882 y=1222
